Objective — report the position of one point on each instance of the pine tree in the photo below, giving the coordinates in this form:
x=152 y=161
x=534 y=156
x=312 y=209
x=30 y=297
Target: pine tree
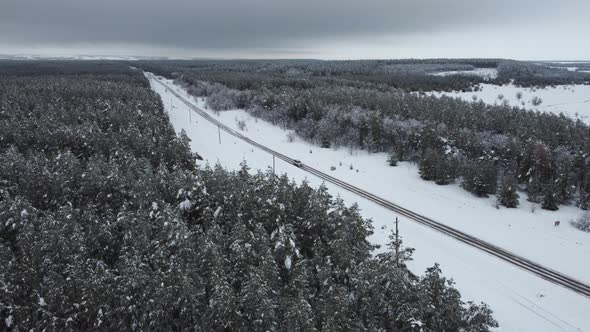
x=550 y=200
x=534 y=190
x=478 y=318
x=441 y=312
x=258 y=302
x=479 y=177
x=507 y=194
x=436 y=167
x=392 y=159
x=427 y=167
x=584 y=197
x=445 y=171
x=399 y=254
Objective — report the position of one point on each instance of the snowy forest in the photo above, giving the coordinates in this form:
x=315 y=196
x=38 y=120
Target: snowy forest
x=380 y=106
x=108 y=223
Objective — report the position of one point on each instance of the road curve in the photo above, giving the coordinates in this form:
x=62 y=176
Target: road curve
x=505 y=255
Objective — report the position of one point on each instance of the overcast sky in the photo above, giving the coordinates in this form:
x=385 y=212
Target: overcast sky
x=327 y=29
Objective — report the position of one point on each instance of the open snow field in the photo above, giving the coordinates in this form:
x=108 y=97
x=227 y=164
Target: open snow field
x=571 y=100
x=520 y=300
x=488 y=73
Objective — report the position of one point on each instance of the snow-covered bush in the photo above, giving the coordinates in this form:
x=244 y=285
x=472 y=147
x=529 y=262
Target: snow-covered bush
x=290 y=137
x=241 y=124
x=392 y=159
x=582 y=222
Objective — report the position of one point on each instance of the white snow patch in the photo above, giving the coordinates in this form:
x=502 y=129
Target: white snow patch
x=564 y=68
x=185 y=205
x=217 y=212
x=489 y=73
x=570 y=62
x=8 y=321
x=571 y=100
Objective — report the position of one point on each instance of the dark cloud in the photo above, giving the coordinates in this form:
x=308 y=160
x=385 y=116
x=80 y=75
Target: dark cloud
x=275 y=26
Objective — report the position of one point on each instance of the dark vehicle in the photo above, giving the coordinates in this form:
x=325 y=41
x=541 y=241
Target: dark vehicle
x=297 y=163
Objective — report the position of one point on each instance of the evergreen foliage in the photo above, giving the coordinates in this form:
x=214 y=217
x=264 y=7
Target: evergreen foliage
x=108 y=224
x=582 y=222
x=392 y=159
x=479 y=178
x=378 y=106
x=507 y=195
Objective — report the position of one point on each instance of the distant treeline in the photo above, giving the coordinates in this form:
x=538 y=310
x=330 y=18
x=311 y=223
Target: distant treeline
x=528 y=74
x=31 y=68
x=407 y=75
x=107 y=224
x=488 y=149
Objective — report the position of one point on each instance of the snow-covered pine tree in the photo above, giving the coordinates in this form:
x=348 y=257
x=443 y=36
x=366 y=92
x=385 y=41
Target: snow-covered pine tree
x=550 y=199
x=584 y=194
x=507 y=192
x=392 y=159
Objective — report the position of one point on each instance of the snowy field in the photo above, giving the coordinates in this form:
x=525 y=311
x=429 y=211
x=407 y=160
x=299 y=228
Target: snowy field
x=489 y=73
x=564 y=68
x=570 y=62
x=521 y=301
x=571 y=100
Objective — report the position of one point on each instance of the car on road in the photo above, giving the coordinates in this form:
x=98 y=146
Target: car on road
x=297 y=163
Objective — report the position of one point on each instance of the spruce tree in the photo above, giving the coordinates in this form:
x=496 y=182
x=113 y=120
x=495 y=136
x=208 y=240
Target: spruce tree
x=550 y=200
x=479 y=177
x=445 y=171
x=584 y=196
x=427 y=166
x=534 y=190
x=392 y=159
x=507 y=195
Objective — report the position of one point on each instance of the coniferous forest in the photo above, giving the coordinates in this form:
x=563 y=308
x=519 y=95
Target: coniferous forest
x=380 y=106
x=107 y=223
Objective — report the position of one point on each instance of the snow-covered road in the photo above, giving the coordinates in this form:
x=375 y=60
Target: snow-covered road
x=521 y=301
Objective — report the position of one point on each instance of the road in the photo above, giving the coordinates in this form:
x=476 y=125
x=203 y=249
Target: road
x=505 y=255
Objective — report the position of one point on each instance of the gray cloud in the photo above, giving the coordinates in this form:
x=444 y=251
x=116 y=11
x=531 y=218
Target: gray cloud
x=274 y=26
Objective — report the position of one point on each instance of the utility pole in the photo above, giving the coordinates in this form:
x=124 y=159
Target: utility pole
x=219 y=133
x=273 y=164
x=190 y=120
x=396 y=242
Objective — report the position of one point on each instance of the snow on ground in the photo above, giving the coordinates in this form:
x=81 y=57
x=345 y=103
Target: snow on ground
x=564 y=68
x=521 y=301
x=489 y=73
x=571 y=100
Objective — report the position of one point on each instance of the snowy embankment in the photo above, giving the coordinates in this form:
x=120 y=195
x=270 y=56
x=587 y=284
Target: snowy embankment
x=521 y=301
x=571 y=100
